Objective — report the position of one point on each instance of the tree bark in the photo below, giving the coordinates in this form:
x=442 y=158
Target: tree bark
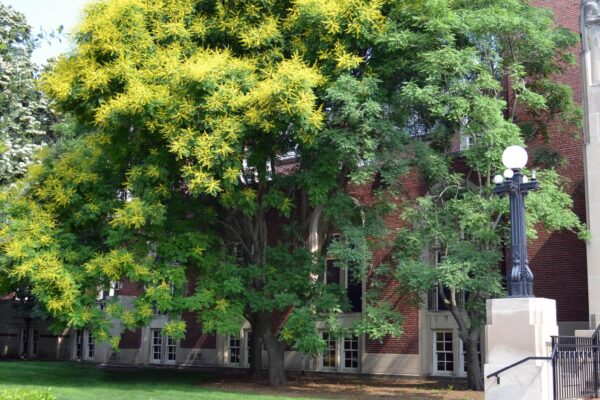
x=256 y=365
x=469 y=334
x=275 y=351
x=474 y=373
x=264 y=335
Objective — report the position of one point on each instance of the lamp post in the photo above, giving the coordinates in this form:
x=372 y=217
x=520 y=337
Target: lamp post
x=519 y=279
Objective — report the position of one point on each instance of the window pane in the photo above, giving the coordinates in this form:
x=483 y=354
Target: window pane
x=443 y=352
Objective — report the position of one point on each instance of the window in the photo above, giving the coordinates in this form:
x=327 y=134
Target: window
x=171 y=350
x=79 y=344
x=91 y=346
x=248 y=344
x=347 y=279
x=104 y=294
x=234 y=350
x=328 y=359
x=84 y=345
x=443 y=355
x=35 y=340
x=24 y=342
x=332 y=273
x=30 y=339
x=463 y=356
x=237 y=252
x=163 y=348
x=435 y=297
x=156 y=345
x=354 y=291
x=465 y=142
x=351 y=352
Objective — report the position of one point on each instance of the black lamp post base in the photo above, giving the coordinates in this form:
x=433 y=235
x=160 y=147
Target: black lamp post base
x=520 y=289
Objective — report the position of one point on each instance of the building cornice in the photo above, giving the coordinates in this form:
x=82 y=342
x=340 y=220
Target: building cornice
x=591 y=12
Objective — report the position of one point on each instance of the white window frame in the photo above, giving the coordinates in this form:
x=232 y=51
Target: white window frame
x=29 y=341
x=355 y=351
x=84 y=345
x=247 y=348
x=466 y=141
x=328 y=349
x=234 y=351
x=90 y=346
x=79 y=348
x=435 y=353
x=24 y=342
x=162 y=345
x=433 y=295
x=156 y=346
x=170 y=350
x=462 y=354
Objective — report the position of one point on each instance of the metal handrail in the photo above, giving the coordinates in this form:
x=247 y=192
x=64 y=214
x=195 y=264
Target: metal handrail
x=497 y=373
x=595 y=340
x=596 y=334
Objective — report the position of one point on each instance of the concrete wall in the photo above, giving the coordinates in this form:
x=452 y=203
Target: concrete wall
x=590 y=27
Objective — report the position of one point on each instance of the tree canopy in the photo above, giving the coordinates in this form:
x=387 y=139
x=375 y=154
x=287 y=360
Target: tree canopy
x=489 y=83
x=205 y=125
x=26 y=120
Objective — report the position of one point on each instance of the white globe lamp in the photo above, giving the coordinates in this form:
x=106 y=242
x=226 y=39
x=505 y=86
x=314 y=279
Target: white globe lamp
x=514 y=157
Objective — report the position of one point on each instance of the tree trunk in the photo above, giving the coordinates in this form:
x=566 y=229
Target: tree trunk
x=469 y=334
x=275 y=351
x=264 y=335
x=474 y=372
x=258 y=329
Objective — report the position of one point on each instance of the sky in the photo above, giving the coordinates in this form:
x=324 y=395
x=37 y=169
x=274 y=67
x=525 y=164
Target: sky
x=48 y=15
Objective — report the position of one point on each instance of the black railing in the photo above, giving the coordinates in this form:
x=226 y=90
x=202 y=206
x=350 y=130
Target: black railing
x=575 y=365
x=497 y=373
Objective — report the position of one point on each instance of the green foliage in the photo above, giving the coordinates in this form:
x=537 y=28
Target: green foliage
x=183 y=114
x=26 y=122
x=478 y=68
x=180 y=113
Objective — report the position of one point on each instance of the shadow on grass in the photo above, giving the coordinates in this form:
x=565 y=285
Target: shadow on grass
x=348 y=386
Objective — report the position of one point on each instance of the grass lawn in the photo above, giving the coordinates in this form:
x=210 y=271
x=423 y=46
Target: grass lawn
x=69 y=381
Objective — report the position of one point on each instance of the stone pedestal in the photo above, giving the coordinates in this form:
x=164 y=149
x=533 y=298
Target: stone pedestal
x=518 y=328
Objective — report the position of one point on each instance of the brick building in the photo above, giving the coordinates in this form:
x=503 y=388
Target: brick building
x=566 y=269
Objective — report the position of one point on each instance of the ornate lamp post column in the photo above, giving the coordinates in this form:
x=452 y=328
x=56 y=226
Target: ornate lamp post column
x=519 y=279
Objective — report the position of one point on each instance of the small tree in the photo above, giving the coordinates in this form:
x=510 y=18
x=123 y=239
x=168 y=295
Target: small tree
x=488 y=83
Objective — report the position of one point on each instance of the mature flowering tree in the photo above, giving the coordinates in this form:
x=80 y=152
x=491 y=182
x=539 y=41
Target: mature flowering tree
x=186 y=109
x=25 y=116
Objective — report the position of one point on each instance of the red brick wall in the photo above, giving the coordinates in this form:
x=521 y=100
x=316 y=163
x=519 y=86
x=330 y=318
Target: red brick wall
x=130 y=288
x=558 y=260
x=408 y=343
x=194 y=337
x=131 y=339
